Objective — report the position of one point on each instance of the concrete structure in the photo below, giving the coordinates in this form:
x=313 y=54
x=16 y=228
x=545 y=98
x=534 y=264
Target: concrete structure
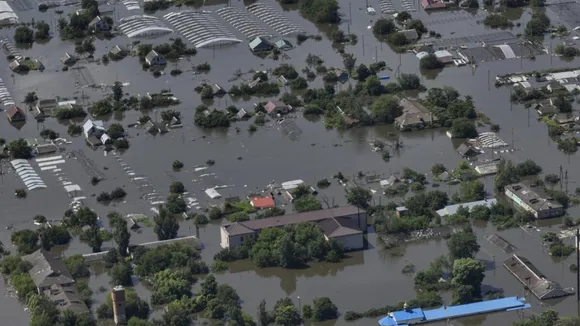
x=415 y=115
x=452 y=209
x=531 y=277
x=119 y=308
x=534 y=200
x=48 y=270
x=345 y=224
x=155 y=59
x=419 y=316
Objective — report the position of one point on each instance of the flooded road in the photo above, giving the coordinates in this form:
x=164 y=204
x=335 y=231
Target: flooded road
x=249 y=161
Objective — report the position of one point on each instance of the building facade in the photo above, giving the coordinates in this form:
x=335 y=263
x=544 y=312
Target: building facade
x=534 y=200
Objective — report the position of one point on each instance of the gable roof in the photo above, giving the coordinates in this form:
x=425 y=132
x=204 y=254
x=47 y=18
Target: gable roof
x=14 y=113
x=67 y=298
x=152 y=55
x=283 y=44
x=272 y=105
x=260 y=43
x=339 y=227
x=47 y=269
x=117 y=49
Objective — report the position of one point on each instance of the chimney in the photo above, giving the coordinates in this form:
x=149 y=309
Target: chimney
x=118 y=296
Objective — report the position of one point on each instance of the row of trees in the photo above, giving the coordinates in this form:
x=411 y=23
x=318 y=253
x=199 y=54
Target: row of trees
x=286 y=313
x=24 y=35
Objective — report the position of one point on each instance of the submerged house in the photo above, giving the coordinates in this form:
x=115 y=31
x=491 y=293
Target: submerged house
x=93 y=128
x=15 y=114
x=155 y=127
x=467 y=151
x=48 y=270
x=277 y=107
x=527 y=274
x=68 y=59
x=155 y=59
x=415 y=116
x=283 y=45
x=98 y=24
x=260 y=44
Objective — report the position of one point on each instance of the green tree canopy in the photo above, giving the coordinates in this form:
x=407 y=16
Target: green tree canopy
x=166 y=225
x=462 y=245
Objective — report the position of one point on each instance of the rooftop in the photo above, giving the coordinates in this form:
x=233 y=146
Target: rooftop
x=47 y=269
x=67 y=298
x=248 y=227
x=452 y=209
x=533 y=196
x=531 y=277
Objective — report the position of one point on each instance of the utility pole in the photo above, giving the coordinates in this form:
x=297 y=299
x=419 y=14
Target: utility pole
x=376 y=55
x=577 y=263
x=350 y=12
x=488 y=81
x=513 y=138
x=363 y=44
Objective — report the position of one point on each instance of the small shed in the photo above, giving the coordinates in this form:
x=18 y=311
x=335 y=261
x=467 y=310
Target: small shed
x=242 y=115
x=155 y=59
x=277 y=107
x=217 y=90
x=68 y=59
x=15 y=114
x=260 y=44
x=98 y=24
x=283 y=45
x=410 y=34
x=444 y=56
x=467 y=151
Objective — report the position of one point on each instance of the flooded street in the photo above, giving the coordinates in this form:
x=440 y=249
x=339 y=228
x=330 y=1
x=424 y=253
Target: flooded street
x=246 y=162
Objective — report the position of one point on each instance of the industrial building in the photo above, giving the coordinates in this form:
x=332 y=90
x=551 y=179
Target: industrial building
x=533 y=199
x=345 y=224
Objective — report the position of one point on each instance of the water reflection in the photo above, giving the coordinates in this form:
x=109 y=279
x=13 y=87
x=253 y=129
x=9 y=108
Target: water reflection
x=289 y=277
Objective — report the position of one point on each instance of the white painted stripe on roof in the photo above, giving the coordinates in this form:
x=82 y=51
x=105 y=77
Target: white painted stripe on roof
x=51 y=158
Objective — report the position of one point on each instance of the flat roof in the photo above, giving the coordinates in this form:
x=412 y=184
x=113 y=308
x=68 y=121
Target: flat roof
x=449 y=312
x=452 y=209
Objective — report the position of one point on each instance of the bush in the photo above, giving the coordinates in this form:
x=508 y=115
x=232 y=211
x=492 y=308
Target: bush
x=177 y=165
x=324 y=183
x=20 y=193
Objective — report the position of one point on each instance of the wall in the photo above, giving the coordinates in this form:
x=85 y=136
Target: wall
x=361 y=218
x=351 y=242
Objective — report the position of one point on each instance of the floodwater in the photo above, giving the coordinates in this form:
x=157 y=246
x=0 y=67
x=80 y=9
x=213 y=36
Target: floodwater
x=248 y=162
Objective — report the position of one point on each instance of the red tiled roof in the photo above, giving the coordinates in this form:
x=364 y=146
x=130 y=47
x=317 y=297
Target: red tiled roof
x=263 y=202
x=271 y=105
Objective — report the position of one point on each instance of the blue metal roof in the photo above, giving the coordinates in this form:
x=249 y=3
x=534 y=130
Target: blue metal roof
x=408 y=314
x=444 y=313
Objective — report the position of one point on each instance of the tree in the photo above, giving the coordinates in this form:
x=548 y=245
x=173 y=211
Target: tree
x=134 y=321
x=48 y=134
x=19 y=149
x=403 y=16
x=397 y=39
x=349 y=61
x=26 y=241
x=23 y=35
x=409 y=81
x=437 y=169
x=562 y=104
x=93 y=238
x=117 y=91
x=306 y=204
x=101 y=107
x=121 y=274
x=324 y=309
x=462 y=245
x=417 y=25
x=430 y=62
x=134 y=306
x=121 y=236
x=30 y=98
x=463 y=128
x=359 y=197
x=472 y=191
x=320 y=11
x=42 y=31
x=169 y=286
x=263 y=316
x=176 y=187
x=166 y=225
x=77 y=266
x=362 y=72
x=383 y=27
x=287 y=316
x=385 y=109
x=176 y=204
x=116 y=130
x=467 y=278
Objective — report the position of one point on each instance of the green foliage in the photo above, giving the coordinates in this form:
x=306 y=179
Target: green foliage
x=538 y=25
x=447 y=105
x=359 y=197
x=409 y=82
x=509 y=173
x=423 y=300
x=175 y=204
x=175 y=256
x=93 y=237
x=169 y=286
x=176 y=187
x=324 y=309
x=323 y=183
x=294 y=246
x=384 y=27
x=463 y=128
x=77 y=266
x=385 y=109
x=471 y=191
x=307 y=203
x=120 y=274
x=286 y=70
x=116 y=130
x=42 y=31
x=320 y=11
x=462 y=245
x=23 y=35
x=166 y=225
x=214 y=119
x=101 y=108
x=497 y=21
x=26 y=241
x=74 y=130
x=177 y=165
x=437 y=169
x=430 y=62
x=468 y=274
x=70 y=113
x=19 y=149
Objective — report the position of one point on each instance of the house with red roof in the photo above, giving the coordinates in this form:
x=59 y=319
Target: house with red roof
x=263 y=202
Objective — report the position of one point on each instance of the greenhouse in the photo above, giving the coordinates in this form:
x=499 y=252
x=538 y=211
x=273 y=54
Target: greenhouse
x=143 y=25
x=242 y=22
x=201 y=28
x=274 y=19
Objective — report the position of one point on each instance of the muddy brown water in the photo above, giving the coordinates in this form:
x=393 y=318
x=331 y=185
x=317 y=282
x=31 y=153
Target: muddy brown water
x=366 y=279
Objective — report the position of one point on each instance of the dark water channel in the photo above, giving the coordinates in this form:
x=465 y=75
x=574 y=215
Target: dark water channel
x=367 y=279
